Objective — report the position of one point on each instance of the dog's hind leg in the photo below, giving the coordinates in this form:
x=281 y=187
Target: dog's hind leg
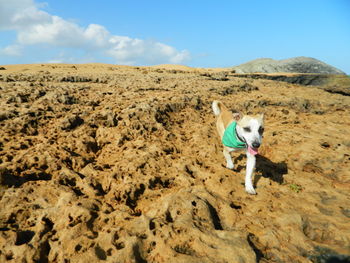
x=251 y=160
x=229 y=162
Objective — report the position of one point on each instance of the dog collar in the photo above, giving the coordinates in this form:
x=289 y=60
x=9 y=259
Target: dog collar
x=231 y=138
x=239 y=137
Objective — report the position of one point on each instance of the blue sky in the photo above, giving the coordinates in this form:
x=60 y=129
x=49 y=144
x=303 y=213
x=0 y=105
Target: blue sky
x=193 y=33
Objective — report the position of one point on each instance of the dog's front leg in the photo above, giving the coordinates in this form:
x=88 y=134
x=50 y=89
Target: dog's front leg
x=229 y=162
x=251 y=160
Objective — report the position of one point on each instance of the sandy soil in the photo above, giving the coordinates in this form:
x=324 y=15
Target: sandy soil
x=123 y=164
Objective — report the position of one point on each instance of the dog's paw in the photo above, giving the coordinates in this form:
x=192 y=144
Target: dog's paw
x=230 y=166
x=250 y=190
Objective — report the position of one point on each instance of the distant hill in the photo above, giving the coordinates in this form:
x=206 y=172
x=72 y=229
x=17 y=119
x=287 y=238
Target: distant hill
x=291 y=65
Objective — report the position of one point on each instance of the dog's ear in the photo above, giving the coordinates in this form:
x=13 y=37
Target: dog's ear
x=237 y=116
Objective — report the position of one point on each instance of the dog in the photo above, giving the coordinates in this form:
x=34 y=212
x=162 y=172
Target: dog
x=239 y=132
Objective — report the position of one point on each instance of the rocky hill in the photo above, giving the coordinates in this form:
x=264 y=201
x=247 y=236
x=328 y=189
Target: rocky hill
x=104 y=163
x=291 y=65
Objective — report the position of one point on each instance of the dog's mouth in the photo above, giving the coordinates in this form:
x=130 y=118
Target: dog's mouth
x=252 y=150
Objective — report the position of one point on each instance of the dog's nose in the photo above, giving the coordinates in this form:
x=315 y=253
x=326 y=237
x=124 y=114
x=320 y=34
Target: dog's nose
x=256 y=144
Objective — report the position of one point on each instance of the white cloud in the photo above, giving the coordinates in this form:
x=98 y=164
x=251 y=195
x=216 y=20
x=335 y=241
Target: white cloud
x=129 y=51
x=12 y=50
x=56 y=32
x=36 y=27
x=20 y=14
x=97 y=35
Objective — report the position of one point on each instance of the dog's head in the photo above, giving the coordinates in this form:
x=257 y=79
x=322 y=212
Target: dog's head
x=251 y=128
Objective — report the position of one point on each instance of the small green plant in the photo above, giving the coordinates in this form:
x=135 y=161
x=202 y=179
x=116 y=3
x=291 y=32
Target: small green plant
x=295 y=187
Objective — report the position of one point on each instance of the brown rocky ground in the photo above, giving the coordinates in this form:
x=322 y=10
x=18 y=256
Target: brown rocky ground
x=123 y=164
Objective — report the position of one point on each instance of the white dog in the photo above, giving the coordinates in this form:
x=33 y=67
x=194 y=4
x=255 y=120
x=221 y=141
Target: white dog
x=238 y=132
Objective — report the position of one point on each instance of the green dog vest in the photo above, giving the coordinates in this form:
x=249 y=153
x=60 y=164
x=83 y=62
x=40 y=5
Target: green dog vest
x=230 y=138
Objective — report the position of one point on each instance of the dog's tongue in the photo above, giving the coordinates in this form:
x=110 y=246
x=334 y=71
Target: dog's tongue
x=253 y=151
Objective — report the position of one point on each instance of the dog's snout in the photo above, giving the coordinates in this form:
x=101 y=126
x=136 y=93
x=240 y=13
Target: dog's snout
x=256 y=144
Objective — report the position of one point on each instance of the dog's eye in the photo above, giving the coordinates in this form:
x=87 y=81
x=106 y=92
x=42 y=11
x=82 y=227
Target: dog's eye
x=261 y=130
x=247 y=129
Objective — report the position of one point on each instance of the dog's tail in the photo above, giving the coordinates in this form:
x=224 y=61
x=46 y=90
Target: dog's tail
x=217 y=107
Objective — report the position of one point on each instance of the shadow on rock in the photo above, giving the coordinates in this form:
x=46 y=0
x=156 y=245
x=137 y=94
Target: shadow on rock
x=7 y=178
x=268 y=169
x=326 y=255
